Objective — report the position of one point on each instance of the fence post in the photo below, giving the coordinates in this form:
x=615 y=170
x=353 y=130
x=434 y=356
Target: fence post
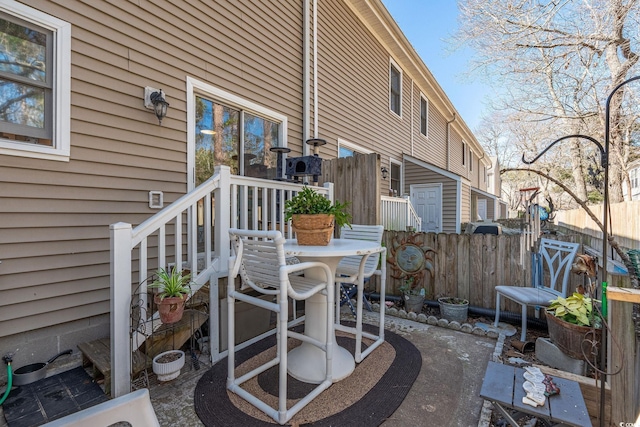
x=120 y=234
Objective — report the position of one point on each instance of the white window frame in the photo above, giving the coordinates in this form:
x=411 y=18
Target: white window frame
x=464 y=152
x=353 y=147
x=393 y=64
x=470 y=160
x=197 y=87
x=401 y=166
x=426 y=116
x=61 y=117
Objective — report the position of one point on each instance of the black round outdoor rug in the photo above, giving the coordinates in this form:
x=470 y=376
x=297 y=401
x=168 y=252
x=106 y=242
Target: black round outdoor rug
x=403 y=362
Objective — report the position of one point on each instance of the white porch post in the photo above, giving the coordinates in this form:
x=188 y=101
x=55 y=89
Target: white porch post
x=222 y=217
x=120 y=234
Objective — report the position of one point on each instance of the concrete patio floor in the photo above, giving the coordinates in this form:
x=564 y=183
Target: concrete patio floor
x=446 y=392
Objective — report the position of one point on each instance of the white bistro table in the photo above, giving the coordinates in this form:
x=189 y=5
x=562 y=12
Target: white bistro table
x=307 y=362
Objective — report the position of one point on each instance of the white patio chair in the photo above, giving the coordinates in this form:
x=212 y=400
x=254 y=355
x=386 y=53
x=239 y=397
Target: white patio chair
x=558 y=257
x=133 y=409
x=259 y=258
x=353 y=270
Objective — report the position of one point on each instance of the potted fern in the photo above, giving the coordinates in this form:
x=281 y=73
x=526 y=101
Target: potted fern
x=313 y=217
x=173 y=286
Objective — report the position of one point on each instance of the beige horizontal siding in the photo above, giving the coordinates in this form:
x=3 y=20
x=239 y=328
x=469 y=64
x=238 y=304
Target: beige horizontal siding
x=433 y=150
x=55 y=216
x=465 y=203
x=353 y=74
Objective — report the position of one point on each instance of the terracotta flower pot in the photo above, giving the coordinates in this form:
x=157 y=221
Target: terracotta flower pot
x=170 y=308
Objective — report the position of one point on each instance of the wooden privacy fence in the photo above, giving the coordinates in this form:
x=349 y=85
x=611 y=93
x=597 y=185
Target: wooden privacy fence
x=466 y=266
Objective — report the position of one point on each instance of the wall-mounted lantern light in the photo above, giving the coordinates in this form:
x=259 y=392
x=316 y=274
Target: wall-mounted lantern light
x=385 y=172
x=154 y=99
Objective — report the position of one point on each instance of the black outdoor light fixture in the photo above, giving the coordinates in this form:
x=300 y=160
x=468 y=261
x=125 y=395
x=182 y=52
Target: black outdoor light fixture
x=385 y=172
x=154 y=99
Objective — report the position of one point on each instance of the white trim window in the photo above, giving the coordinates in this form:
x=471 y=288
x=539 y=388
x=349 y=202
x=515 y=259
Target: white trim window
x=35 y=83
x=224 y=129
x=395 y=88
x=348 y=149
x=395 y=178
x=464 y=153
x=470 y=160
x=424 y=115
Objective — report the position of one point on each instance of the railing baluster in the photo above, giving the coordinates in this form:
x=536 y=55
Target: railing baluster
x=207 y=222
x=192 y=241
x=177 y=239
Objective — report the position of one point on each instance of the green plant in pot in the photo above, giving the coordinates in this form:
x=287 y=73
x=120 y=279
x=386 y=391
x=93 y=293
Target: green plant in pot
x=413 y=294
x=573 y=325
x=313 y=217
x=173 y=287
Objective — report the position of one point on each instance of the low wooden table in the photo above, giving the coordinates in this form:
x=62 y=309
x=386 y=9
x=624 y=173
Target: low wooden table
x=502 y=386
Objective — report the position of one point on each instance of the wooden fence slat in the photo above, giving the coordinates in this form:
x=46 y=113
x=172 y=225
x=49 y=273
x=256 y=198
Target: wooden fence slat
x=623 y=358
x=463 y=267
x=490 y=264
x=475 y=261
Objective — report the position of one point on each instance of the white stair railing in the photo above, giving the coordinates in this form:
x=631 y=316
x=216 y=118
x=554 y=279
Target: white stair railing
x=224 y=200
x=398 y=214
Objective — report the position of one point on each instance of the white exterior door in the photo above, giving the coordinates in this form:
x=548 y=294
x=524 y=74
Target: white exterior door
x=482 y=209
x=427 y=201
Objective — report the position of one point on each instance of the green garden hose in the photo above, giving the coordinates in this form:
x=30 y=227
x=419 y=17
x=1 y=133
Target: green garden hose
x=7 y=359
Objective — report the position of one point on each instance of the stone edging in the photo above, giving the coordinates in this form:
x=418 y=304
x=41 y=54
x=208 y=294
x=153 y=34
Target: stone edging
x=443 y=323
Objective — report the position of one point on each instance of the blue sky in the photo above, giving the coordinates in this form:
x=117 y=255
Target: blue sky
x=426 y=24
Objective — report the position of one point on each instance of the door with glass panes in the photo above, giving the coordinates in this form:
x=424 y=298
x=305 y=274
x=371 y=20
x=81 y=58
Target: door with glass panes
x=234 y=137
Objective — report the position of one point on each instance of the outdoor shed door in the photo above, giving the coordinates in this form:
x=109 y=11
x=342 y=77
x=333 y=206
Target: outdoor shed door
x=427 y=201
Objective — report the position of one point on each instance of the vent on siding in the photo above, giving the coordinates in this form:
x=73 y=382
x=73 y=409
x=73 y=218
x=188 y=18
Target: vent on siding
x=155 y=200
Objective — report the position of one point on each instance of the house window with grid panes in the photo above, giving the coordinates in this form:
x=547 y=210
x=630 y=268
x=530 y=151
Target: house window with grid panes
x=34 y=83
x=395 y=89
x=424 y=111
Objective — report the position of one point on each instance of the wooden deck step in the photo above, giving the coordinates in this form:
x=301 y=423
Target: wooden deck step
x=97 y=354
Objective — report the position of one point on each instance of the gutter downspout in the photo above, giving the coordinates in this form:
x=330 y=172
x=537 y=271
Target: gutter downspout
x=315 y=68
x=448 y=136
x=305 y=78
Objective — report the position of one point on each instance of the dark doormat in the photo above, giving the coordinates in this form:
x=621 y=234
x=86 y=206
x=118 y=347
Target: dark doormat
x=51 y=398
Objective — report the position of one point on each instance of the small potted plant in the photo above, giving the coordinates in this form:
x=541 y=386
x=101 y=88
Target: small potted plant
x=313 y=217
x=570 y=321
x=167 y=365
x=413 y=294
x=173 y=286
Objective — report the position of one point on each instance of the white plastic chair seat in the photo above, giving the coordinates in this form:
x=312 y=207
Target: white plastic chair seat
x=134 y=408
x=260 y=260
x=354 y=270
x=527 y=296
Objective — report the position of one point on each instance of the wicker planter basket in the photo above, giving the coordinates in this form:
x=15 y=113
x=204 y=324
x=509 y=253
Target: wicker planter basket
x=569 y=337
x=313 y=230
